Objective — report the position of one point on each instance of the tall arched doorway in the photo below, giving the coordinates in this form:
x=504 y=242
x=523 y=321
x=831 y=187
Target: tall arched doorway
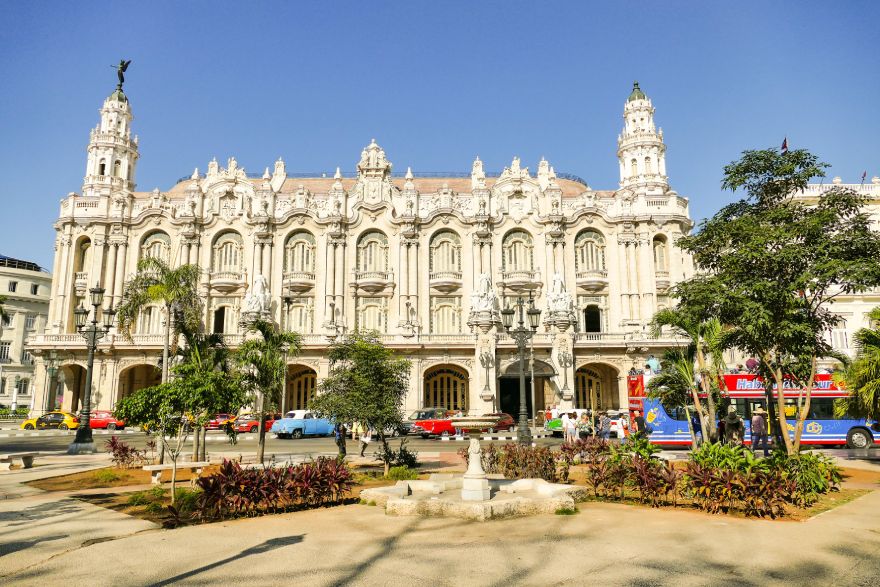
x=539 y=393
x=302 y=384
x=596 y=387
x=136 y=378
x=68 y=391
x=446 y=386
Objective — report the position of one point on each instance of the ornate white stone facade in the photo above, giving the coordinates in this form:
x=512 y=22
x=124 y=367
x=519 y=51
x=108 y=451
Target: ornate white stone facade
x=426 y=259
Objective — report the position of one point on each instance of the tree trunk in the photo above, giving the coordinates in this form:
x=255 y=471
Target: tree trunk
x=384 y=442
x=261 y=443
x=687 y=414
x=778 y=377
x=711 y=429
x=196 y=445
x=805 y=410
x=698 y=406
x=203 y=455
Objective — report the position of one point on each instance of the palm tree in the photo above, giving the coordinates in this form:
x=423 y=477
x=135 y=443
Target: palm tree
x=176 y=289
x=862 y=375
x=262 y=363
x=707 y=338
x=675 y=384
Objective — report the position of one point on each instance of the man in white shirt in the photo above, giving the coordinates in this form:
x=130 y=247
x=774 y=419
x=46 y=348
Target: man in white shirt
x=566 y=427
x=554 y=412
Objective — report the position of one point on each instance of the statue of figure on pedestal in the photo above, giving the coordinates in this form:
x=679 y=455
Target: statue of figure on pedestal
x=484 y=298
x=120 y=71
x=558 y=299
x=257 y=298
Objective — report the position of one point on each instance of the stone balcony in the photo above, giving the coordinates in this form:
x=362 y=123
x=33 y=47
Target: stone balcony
x=661 y=278
x=227 y=281
x=81 y=282
x=592 y=280
x=521 y=280
x=373 y=281
x=445 y=281
x=298 y=281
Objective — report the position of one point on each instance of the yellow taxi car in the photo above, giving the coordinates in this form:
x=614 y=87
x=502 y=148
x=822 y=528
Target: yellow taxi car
x=59 y=420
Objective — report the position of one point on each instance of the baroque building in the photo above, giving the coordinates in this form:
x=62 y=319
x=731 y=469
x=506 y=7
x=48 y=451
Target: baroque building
x=425 y=259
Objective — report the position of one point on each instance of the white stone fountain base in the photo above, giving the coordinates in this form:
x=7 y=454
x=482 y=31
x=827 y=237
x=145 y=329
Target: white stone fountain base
x=442 y=495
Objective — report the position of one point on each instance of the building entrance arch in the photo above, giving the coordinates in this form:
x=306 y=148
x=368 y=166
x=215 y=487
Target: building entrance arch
x=69 y=388
x=302 y=385
x=540 y=393
x=446 y=386
x=135 y=378
x=596 y=387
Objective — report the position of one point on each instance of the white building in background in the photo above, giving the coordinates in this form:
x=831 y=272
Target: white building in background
x=26 y=288
x=425 y=259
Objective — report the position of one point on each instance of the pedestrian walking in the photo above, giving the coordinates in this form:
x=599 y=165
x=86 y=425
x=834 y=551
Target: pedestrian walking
x=759 y=430
x=366 y=439
x=734 y=427
x=584 y=427
x=639 y=422
x=554 y=412
x=604 y=425
x=340 y=433
x=564 y=422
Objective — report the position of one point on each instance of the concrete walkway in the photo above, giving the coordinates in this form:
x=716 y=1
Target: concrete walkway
x=46 y=539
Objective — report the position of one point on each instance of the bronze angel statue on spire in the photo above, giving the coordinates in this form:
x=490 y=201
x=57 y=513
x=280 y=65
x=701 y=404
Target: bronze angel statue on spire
x=120 y=71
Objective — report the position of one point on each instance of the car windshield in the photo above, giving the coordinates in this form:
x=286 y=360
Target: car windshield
x=421 y=415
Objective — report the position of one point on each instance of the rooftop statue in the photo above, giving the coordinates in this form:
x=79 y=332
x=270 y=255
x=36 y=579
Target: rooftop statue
x=120 y=71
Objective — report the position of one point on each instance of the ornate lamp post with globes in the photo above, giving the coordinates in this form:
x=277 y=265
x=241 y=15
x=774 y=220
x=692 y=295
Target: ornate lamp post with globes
x=522 y=335
x=93 y=332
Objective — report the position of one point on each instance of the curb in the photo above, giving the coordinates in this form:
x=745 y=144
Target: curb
x=45 y=433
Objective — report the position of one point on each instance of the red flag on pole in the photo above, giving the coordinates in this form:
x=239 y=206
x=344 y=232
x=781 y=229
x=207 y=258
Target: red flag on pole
x=785 y=145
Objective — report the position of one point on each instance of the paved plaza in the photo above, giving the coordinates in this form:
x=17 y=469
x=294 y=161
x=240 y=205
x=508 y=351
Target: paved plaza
x=45 y=537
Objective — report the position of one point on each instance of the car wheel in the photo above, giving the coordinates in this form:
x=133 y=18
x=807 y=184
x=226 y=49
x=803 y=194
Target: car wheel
x=297 y=433
x=62 y=427
x=491 y=431
x=253 y=429
x=111 y=426
x=858 y=438
x=28 y=426
x=425 y=436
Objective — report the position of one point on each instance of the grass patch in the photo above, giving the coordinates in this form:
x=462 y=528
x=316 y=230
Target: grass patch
x=138 y=498
x=106 y=476
x=402 y=473
x=566 y=511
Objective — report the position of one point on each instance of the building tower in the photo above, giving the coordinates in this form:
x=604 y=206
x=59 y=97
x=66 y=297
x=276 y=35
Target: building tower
x=112 y=152
x=640 y=147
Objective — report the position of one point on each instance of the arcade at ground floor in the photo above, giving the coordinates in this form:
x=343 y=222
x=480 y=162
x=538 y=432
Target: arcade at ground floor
x=475 y=381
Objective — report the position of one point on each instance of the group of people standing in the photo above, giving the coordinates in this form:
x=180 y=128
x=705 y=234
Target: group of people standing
x=732 y=429
x=358 y=431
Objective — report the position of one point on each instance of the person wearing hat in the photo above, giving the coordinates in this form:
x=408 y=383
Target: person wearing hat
x=734 y=427
x=759 y=430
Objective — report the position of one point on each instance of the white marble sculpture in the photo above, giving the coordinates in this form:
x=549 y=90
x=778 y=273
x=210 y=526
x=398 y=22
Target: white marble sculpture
x=558 y=299
x=257 y=298
x=484 y=298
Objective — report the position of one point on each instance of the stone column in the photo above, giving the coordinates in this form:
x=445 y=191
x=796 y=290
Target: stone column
x=339 y=292
x=403 y=294
x=267 y=261
x=257 y=259
x=110 y=271
x=632 y=266
x=329 y=277
x=413 y=276
x=622 y=256
x=646 y=277
x=118 y=281
x=96 y=271
x=59 y=275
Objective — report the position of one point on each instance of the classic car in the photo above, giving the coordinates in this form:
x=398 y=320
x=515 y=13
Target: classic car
x=102 y=419
x=250 y=423
x=299 y=423
x=59 y=420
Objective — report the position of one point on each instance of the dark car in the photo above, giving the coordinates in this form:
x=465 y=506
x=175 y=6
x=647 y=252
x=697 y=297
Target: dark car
x=505 y=422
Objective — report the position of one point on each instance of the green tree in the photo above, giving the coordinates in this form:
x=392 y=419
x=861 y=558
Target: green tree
x=862 y=375
x=176 y=289
x=262 y=363
x=675 y=385
x=367 y=384
x=771 y=264
x=172 y=408
x=706 y=349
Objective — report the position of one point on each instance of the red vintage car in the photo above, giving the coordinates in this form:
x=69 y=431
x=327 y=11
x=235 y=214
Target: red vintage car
x=218 y=421
x=249 y=422
x=438 y=422
x=101 y=419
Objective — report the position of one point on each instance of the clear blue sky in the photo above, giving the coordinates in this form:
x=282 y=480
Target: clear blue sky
x=435 y=83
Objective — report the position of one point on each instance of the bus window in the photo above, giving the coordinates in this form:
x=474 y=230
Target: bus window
x=676 y=413
x=822 y=408
x=741 y=406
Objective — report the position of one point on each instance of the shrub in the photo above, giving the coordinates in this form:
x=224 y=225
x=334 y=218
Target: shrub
x=158 y=492
x=124 y=455
x=516 y=461
x=566 y=511
x=401 y=474
x=811 y=475
x=402 y=457
x=106 y=476
x=234 y=491
x=138 y=498
x=186 y=500
x=639 y=444
x=490 y=457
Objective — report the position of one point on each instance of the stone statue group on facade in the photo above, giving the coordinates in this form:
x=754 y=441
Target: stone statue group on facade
x=257 y=299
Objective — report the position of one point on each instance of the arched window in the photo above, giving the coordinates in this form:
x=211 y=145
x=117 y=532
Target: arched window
x=302 y=384
x=446 y=315
x=661 y=256
x=588 y=389
x=648 y=168
x=117 y=168
x=150 y=320
x=517 y=251
x=102 y=167
x=157 y=245
x=372 y=252
x=227 y=253
x=634 y=167
x=592 y=319
x=299 y=319
x=299 y=253
x=83 y=255
x=445 y=252
x=589 y=247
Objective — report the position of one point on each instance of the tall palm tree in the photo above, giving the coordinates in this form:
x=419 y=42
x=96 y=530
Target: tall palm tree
x=862 y=375
x=707 y=338
x=176 y=289
x=262 y=363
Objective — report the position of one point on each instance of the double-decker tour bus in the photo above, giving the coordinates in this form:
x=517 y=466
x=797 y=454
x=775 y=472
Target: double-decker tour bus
x=668 y=426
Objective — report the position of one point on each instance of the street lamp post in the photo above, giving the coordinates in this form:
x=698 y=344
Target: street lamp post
x=522 y=335
x=93 y=332
x=288 y=301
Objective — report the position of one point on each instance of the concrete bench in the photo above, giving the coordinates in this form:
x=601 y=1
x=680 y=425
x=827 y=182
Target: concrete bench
x=26 y=458
x=157 y=470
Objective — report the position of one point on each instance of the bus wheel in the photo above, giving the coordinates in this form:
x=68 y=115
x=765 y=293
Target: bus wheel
x=858 y=438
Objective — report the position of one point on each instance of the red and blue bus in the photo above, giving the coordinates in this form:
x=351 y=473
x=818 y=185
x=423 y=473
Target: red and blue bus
x=669 y=427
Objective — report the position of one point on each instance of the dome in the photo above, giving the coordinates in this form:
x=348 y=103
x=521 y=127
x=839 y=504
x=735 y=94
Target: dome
x=118 y=95
x=637 y=93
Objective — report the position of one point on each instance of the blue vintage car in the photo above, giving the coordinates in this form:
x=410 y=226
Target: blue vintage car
x=299 y=423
